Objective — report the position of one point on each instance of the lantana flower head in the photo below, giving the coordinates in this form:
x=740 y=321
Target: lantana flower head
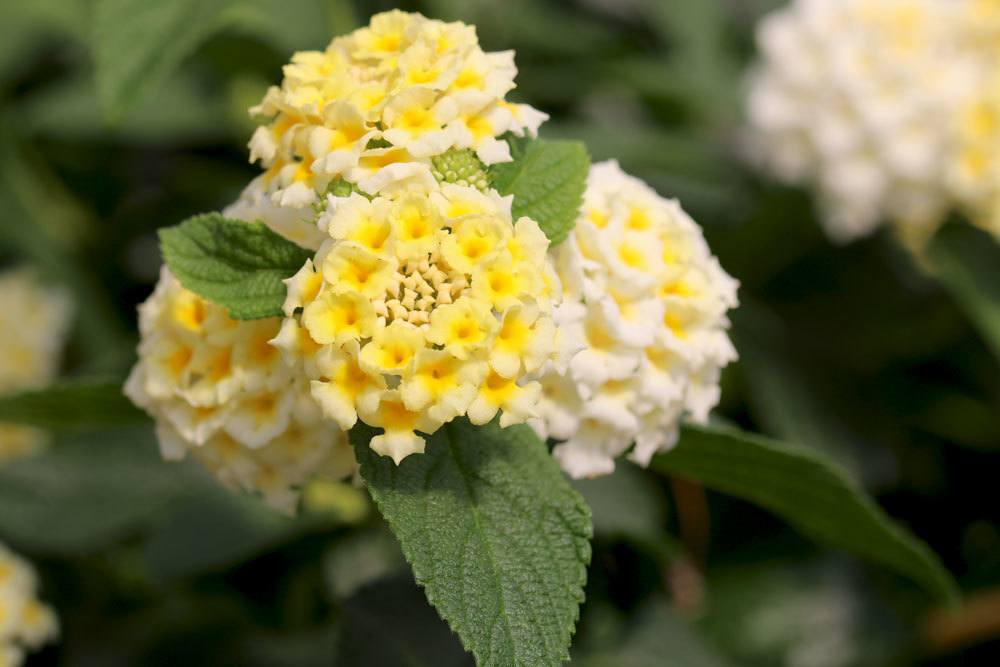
x=421 y=307
x=857 y=99
x=221 y=392
x=34 y=322
x=379 y=104
x=26 y=623
x=643 y=324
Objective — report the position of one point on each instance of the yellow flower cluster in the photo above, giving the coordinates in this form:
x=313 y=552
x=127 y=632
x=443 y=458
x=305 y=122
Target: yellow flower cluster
x=421 y=307
x=33 y=325
x=219 y=390
x=26 y=624
x=377 y=104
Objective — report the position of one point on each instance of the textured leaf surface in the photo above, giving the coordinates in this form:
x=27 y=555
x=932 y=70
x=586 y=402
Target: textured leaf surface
x=138 y=43
x=967 y=260
x=235 y=264
x=547 y=179
x=71 y=404
x=809 y=492
x=495 y=535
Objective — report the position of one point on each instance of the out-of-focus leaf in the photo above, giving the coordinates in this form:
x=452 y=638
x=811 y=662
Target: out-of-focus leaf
x=47 y=14
x=176 y=109
x=640 y=147
x=88 y=489
x=137 y=44
x=495 y=535
x=24 y=27
x=389 y=622
x=782 y=398
x=700 y=65
x=809 y=492
x=627 y=504
x=44 y=225
x=237 y=265
x=527 y=26
x=547 y=179
x=361 y=558
x=218 y=529
x=660 y=638
x=303 y=648
x=966 y=259
x=72 y=404
x=799 y=612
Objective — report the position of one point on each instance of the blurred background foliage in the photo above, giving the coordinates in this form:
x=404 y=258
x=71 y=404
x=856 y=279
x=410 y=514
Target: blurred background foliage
x=110 y=129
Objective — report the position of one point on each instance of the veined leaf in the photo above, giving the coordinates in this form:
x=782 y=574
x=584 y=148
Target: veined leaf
x=547 y=179
x=70 y=405
x=495 y=535
x=966 y=259
x=235 y=264
x=809 y=492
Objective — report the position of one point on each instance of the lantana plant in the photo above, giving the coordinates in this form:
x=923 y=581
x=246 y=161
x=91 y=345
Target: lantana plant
x=418 y=293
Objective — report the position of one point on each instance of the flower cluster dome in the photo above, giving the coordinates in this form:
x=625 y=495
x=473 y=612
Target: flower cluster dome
x=34 y=322
x=643 y=325
x=26 y=623
x=856 y=98
x=220 y=391
x=420 y=307
x=377 y=107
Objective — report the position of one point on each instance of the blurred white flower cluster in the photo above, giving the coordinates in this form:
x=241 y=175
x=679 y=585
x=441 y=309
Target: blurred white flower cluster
x=879 y=106
x=643 y=325
x=34 y=321
x=26 y=623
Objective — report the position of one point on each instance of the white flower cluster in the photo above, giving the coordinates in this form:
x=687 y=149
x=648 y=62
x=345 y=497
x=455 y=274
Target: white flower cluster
x=868 y=102
x=26 y=624
x=219 y=390
x=643 y=323
x=34 y=321
x=376 y=107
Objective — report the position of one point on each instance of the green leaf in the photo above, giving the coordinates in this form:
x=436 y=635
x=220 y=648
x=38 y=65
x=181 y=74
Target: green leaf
x=809 y=492
x=547 y=179
x=88 y=489
x=966 y=259
x=219 y=528
x=82 y=403
x=494 y=533
x=659 y=638
x=137 y=44
x=629 y=505
x=388 y=622
x=235 y=264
